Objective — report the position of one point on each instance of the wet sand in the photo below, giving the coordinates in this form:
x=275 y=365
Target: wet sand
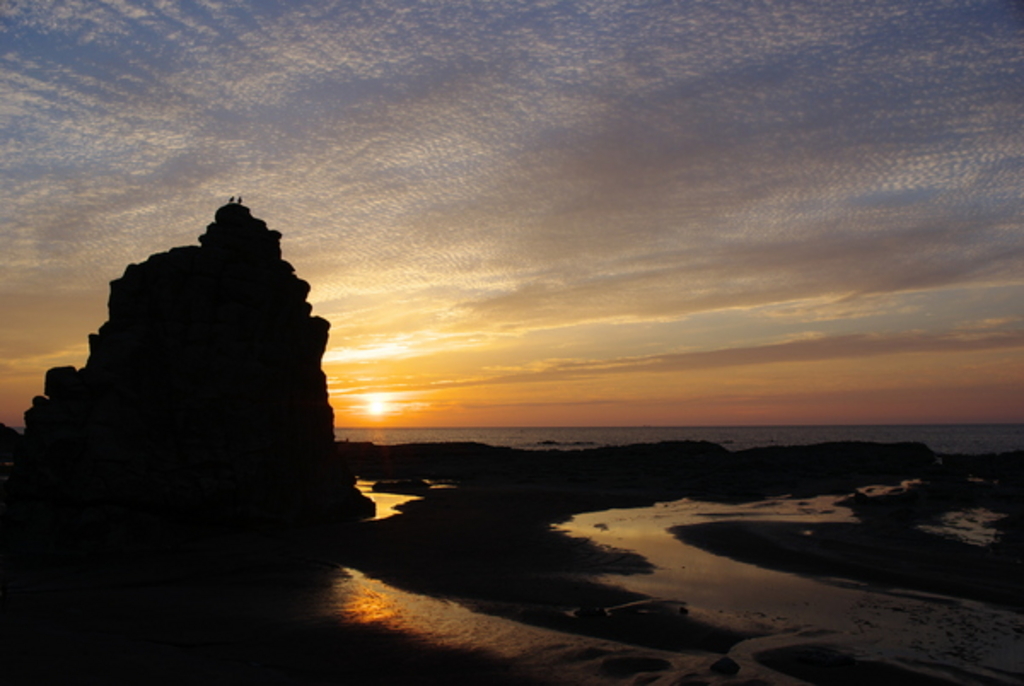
x=472 y=584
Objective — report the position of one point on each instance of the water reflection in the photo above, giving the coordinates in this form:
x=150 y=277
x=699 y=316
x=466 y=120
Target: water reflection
x=972 y=526
x=915 y=627
x=710 y=580
x=387 y=503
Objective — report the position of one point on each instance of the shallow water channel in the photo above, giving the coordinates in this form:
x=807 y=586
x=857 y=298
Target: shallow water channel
x=946 y=636
x=961 y=640
x=387 y=503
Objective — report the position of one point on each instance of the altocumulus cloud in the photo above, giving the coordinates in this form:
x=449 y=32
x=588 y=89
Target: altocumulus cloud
x=816 y=349
x=444 y=168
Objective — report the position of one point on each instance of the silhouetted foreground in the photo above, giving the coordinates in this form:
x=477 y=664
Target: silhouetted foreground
x=285 y=606
x=202 y=402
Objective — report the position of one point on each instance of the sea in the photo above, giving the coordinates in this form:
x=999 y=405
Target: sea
x=943 y=439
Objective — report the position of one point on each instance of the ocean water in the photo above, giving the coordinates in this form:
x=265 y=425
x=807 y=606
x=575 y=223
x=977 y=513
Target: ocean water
x=948 y=439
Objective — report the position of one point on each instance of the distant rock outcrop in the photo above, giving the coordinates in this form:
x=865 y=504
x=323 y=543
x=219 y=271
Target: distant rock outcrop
x=202 y=401
x=9 y=441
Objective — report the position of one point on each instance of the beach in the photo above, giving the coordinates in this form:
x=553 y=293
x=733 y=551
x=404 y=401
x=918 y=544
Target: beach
x=487 y=574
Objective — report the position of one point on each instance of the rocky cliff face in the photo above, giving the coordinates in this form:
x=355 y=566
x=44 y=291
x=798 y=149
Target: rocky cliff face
x=202 y=402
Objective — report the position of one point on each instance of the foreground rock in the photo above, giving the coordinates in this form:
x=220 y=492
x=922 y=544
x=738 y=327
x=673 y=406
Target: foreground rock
x=202 y=402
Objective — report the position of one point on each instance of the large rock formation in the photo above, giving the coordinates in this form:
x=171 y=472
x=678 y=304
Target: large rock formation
x=202 y=402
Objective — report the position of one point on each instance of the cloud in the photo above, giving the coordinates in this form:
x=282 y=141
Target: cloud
x=815 y=349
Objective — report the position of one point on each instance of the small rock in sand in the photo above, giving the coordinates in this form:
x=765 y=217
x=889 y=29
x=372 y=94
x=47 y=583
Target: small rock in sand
x=726 y=666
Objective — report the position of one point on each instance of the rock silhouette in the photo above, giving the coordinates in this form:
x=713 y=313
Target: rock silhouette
x=202 y=401
x=9 y=441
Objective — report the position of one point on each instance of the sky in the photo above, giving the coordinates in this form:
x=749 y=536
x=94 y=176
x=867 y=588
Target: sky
x=546 y=213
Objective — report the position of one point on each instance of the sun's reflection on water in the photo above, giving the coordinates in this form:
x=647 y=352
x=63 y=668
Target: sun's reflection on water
x=387 y=503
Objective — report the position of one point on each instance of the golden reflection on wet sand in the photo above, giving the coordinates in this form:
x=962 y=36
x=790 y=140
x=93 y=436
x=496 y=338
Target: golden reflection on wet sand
x=370 y=606
x=360 y=599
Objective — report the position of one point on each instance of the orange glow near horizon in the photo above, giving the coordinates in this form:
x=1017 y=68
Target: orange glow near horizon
x=895 y=389
x=753 y=388
x=374 y=408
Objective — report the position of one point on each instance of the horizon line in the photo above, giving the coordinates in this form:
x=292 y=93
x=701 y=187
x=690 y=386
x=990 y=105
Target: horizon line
x=675 y=426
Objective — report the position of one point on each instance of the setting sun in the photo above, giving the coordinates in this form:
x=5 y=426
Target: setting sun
x=378 y=405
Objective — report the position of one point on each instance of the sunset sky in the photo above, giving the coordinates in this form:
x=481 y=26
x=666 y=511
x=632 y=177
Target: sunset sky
x=557 y=213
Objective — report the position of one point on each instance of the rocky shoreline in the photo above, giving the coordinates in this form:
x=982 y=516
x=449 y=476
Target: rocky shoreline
x=261 y=605
x=925 y=486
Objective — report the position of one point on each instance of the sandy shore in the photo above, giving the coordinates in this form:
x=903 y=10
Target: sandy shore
x=472 y=584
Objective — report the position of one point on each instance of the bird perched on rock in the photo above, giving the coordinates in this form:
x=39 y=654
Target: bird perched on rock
x=231 y=200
